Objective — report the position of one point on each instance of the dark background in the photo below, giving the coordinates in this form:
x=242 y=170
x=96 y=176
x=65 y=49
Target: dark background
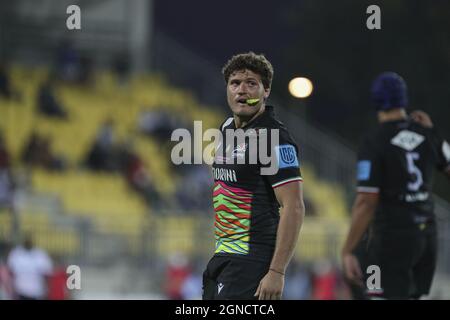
x=328 y=42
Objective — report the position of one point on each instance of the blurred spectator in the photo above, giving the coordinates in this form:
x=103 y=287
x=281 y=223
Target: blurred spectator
x=6 y=285
x=158 y=124
x=6 y=179
x=298 y=282
x=6 y=90
x=30 y=268
x=32 y=150
x=196 y=183
x=177 y=272
x=68 y=61
x=192 y=286
x=138 y=176
x=47 y=102
x=85 y=73
x=106 y=135
x=37 y=153
x=103 y=155
x=57 y=282
x=121 y=67
x=71 y=65
x=325 y=281
x=5 y=87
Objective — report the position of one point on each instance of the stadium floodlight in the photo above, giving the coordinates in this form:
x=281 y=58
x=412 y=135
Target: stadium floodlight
x=300 y=87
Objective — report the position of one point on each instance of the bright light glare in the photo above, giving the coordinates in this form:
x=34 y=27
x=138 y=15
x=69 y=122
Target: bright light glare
x=300 y=87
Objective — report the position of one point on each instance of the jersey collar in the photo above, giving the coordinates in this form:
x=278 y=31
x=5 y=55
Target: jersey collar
x=268 y=113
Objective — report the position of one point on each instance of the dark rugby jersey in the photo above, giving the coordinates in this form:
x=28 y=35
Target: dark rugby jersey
x=246 y=209
x=397 y=161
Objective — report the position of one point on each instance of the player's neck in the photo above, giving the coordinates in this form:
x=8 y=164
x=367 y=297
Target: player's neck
x=392 y=115
x=243 y=121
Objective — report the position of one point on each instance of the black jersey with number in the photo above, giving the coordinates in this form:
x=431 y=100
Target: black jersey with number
x=246 y=209
x=397 y=161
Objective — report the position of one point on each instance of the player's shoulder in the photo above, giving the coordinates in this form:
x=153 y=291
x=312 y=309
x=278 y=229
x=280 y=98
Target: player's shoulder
x=374 y=138
x=385 y=131
x=406 y=130
x=388 y=132
x=420 y=129
x=271 y=121
x=275 y=126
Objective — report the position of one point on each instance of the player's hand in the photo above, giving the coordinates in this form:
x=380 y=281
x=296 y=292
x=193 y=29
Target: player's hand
x=270 y=287
x=421 y=118
x=352 y=269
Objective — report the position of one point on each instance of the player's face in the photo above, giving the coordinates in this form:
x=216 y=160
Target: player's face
x=243 y=85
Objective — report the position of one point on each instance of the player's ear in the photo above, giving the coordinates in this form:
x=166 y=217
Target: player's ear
x=266 y=93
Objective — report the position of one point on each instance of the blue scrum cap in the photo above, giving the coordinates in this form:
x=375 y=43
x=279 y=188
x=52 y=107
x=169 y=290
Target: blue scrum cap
x=389 y=91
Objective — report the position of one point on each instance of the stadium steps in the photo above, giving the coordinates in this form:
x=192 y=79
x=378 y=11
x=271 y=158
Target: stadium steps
x=57 y=240
x=328 y=199
x=104 y=198
x=175 y=234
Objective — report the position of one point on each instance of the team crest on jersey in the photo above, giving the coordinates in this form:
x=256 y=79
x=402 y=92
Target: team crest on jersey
x=363 y=170
x=239 y=152
x=407 y=140
x=286 y=155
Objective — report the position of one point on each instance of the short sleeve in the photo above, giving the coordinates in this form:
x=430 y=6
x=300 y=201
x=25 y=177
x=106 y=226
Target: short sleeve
x=368 y=167
x=284 y=167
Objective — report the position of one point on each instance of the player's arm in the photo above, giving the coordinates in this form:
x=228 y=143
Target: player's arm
x=363 y=211
x=421 y=118
x=292 y=211
x=441 y=145
x=369 y=175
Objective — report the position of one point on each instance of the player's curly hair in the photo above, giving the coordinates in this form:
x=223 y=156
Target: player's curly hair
x=257 y=63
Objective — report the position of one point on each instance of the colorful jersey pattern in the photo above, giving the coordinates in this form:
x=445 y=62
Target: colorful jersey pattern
x=232 y=207
x=246 y=209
